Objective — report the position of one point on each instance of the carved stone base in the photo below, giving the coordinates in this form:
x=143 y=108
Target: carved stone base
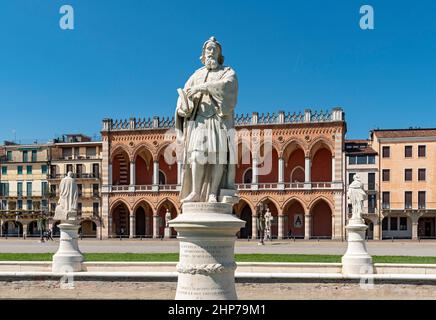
x=167 y=233
x=68 y=258
x=207 y=233
x=356 y=259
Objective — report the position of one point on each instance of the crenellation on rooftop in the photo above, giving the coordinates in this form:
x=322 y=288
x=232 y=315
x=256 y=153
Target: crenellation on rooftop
x=281 y=117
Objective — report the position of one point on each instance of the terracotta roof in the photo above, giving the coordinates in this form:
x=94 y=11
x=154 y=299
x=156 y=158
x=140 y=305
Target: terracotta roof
x=405 y=133
x=362 y=151
x=356 y=141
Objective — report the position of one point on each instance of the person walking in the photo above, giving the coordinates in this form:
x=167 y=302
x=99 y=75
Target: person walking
x=49 y=237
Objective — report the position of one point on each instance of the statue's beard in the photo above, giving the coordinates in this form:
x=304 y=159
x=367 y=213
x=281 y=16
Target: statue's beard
x=211 y=63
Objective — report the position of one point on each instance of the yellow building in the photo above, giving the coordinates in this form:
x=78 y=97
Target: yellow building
x=82 y=156
x=407 y=181
x=24 y=188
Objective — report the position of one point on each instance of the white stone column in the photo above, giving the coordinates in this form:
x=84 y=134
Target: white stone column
x=155 y=226
x=98 y=231
x=110 y=174
x=307 y=174
x=307 y=226
x=132 y=226
x=253 y=227
x=254 y=180
x=415 y=228
x=179 y=171
x=132 y=173
x=376 y=231
x=109 y=226
x=25 y=230
x=155 y=172
x=281 y=226
x=281 y=170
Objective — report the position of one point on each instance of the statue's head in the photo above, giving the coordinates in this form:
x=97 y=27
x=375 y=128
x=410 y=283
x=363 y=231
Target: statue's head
x=356 y=177
x=211 y=55
x=70 y=174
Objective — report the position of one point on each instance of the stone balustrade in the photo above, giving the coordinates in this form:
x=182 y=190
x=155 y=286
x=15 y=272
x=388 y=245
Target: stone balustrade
x=281 y=117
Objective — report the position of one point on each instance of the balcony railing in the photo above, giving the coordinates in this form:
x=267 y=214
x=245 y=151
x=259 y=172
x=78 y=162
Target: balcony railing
x=85 y=194
x=409 y=206
x=241 y=186
x=76 y=157
x=34 y=194
x=75 y=175
x=168 y=187
x=120 y=188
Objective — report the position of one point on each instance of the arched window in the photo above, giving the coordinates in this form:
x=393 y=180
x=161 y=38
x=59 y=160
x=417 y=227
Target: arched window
x=248 y=176
x=162 y=178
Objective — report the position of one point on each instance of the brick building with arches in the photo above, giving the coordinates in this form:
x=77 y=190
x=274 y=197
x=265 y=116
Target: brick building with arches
x=292 y=162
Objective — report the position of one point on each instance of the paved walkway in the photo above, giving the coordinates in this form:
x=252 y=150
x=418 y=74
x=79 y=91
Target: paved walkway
x=387 y=247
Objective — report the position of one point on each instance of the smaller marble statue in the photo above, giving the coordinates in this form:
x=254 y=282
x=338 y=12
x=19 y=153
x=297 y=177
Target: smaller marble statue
x=268 y=219
x=167 y=218
x=66 y=208
x=356 y=196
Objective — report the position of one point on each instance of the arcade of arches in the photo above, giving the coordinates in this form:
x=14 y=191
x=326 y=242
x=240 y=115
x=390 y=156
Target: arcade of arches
x=298 y=176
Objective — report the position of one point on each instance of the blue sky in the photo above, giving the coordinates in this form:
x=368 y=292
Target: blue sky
x=126 y=58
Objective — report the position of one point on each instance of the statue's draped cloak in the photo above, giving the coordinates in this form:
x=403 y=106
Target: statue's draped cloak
x=222 y=90
x=356 y=194
x=68 y=194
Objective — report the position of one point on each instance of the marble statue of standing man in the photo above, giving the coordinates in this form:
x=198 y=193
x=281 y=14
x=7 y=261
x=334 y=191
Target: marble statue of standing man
x=357 y=195
x=66 y=208
x=205 y=123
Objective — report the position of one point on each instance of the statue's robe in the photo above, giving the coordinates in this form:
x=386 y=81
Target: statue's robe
x=357 y=195
x=68 y=195
x=222 y=97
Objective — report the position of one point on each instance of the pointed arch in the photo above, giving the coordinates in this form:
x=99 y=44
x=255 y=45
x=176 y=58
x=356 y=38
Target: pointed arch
x=321 y=212
x=117 y=202
x=294 y=212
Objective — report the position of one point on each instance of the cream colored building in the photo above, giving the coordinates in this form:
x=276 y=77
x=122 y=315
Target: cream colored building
x=24 y=188
x=407 y=185
x=82 y=156
x=362 y=159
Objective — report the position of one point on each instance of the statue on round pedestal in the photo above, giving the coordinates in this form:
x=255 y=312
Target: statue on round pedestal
x=167 y=218
x=204 y=124
x=268 y=219
x=356 y=195
x=66 y=209
x=356 y=259
x=68 y=258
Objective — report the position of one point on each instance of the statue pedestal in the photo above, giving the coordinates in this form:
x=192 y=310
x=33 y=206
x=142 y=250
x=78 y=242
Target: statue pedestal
x=206 y=268
x=167 y=233
x=68 y=258
x=356 y=259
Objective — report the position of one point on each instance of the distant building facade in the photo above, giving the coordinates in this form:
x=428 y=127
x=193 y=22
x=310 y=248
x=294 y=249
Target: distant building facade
x=23 y=188
x=303 y=188
x=82 y=156
x=298 y=165
x=407 y=186
x=363 y=160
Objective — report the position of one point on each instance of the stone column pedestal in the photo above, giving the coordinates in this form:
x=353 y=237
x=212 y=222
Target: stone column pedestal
x=356 y=259
x=207 y=234
x=68 y=258
x=167 y=233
